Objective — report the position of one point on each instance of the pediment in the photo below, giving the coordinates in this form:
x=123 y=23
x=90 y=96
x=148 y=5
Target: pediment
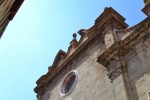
x=109 y=14
x=60 y=57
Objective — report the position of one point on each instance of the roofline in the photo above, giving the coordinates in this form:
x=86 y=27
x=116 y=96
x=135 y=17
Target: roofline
x=14 y=9
x=81 y=47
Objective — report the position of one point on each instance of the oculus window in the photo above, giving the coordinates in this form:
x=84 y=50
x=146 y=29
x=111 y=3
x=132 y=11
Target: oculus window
x=69 y=83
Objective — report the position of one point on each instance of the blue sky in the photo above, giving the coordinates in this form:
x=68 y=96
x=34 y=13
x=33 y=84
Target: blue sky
x=39 y=30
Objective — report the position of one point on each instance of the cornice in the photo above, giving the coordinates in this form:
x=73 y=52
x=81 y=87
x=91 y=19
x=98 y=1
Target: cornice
x=108 y=14
x=110 y=57
x=97 y=29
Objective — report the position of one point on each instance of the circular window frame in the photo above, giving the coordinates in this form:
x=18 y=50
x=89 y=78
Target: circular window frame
x=66 y=80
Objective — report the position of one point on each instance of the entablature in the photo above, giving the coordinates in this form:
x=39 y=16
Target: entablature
x=112 y=56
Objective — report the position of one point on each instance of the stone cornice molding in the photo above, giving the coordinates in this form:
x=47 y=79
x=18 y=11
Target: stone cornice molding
x=139 y=34
x=110 y=13
x=96 y=32
x=60 y=57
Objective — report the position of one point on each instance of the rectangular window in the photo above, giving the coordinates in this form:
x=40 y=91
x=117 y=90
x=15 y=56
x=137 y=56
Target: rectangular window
x=148 y=94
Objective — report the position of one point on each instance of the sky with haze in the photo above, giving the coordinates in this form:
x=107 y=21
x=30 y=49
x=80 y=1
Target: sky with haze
x=37 y=32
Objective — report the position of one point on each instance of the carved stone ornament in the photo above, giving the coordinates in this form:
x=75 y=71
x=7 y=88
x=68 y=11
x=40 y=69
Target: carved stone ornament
x=111 y=62
x=114 y=72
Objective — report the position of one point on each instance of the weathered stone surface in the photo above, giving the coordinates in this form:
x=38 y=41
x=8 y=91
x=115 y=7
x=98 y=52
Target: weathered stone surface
x=112 y=63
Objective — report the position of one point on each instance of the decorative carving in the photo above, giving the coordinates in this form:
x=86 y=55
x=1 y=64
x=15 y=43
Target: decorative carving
x=109 y=40
x=59 y=59
x=111 y=62
x=84 y=35
x=73 y=45
x=109 y=58
x=114 y=71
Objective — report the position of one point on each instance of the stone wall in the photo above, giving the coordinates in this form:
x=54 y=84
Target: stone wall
x=93 y=82
x=139 y=70
x=126 y=57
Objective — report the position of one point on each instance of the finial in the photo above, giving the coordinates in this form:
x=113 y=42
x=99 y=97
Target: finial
x=74 y=36
x=82 y=32
x=105 y=8
x=146 y=1
x=49 y=67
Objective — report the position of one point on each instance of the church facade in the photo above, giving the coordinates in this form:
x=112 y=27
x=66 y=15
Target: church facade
x=109 y=62
x=8 y=9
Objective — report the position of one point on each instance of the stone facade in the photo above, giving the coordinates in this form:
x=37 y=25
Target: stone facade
x=112 y=61
x=8 y=9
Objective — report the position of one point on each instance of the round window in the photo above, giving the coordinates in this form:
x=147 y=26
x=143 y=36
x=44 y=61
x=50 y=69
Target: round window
x=69 y=83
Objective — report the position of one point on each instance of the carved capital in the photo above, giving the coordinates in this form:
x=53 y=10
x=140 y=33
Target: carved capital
x=112 y=64
x=114 y=72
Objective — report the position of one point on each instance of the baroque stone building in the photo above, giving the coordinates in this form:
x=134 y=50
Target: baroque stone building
x=109 y=62
x=8 y=9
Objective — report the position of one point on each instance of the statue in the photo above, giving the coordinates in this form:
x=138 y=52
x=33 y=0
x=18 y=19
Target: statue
x=146 y=1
